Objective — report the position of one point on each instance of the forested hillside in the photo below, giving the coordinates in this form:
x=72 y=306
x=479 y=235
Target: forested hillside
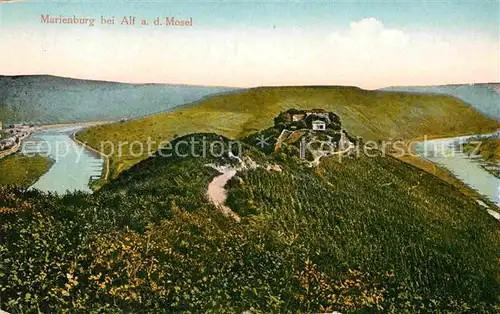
x=44 y=99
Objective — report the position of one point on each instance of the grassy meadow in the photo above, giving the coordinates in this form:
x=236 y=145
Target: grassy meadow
x=23 y=171
x=372 y=115
x=366 y=235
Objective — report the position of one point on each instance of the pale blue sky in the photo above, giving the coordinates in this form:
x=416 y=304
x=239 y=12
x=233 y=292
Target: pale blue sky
x=467 y=16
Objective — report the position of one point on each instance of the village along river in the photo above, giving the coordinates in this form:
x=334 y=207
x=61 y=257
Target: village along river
x=74 y=165
x=448 y=154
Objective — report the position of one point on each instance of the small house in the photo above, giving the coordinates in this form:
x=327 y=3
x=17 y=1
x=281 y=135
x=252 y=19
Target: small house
x=318 y=125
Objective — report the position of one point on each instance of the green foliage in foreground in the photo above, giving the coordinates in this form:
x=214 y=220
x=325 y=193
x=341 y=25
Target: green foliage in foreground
x=488 y=148
x=364 y=235
x=372 y=115
x=23 y=171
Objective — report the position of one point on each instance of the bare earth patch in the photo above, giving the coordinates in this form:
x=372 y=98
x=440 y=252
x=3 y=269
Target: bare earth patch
x=218 y=194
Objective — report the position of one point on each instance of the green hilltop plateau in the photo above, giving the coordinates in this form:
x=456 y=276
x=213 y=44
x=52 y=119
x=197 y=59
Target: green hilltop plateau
x=372 y=115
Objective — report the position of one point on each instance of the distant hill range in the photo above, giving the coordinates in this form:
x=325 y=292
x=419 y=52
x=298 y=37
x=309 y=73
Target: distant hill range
x=44 y=99
x=484 y=97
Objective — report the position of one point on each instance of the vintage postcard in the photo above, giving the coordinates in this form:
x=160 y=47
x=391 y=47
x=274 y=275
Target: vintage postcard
x=333 y=156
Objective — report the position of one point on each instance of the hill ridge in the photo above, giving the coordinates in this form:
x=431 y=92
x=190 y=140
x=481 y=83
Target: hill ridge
x=20 y=76
x=484 y=97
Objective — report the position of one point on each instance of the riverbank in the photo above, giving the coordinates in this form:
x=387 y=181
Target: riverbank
x=74 y=164
x=23 y=171
x=39 y=128
x=74 y=124
x=445 y=169
x=413 y=158
x=486 y=148
x=105 y=175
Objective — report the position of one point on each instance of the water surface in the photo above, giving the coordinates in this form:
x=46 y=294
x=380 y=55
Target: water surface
x=448 y=154
x=74 y=165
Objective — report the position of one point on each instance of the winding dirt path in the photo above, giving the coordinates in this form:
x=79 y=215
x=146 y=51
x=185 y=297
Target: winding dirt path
x=218 y=194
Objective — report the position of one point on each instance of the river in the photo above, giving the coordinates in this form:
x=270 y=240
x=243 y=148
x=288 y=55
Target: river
x=469 y=169
x=74 y=166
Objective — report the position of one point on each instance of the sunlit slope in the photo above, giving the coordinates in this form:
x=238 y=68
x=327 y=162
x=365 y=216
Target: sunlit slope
x=22 y=171
x=483 y=97
x=373 y=115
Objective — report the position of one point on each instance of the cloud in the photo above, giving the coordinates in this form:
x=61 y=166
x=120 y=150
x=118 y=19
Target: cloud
x=372 y=31
x=372 y=55
x=366 y=41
